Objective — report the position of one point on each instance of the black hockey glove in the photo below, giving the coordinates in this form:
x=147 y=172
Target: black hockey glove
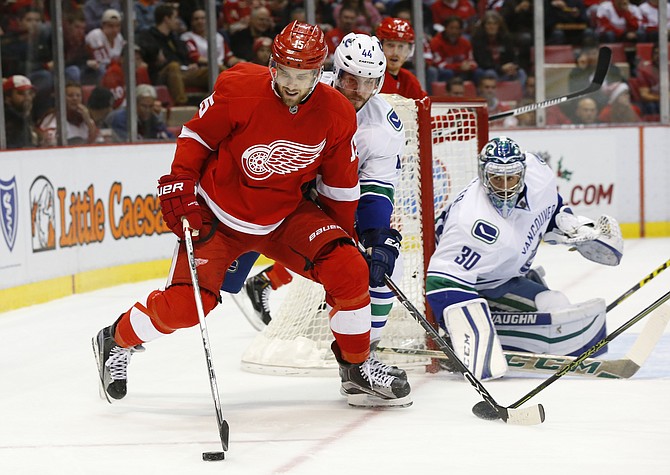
x=382 y=248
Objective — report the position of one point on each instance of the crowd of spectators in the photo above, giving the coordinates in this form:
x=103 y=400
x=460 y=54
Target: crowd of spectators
x=471 y=46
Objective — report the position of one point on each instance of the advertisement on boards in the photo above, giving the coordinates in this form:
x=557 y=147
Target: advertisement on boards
x=598 y=170
x=64 y=211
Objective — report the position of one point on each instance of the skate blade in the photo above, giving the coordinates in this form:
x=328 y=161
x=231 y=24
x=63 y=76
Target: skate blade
x=367 y=400
x=101 y=387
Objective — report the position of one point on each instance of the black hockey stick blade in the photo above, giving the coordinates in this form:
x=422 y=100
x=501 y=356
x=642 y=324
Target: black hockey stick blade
x=224 y=433
x=602 y=66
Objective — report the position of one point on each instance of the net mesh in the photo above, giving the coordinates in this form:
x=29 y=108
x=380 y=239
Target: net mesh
x=297 y=340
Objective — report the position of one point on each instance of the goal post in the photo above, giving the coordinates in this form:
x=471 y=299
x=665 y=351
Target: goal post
x=442 y=139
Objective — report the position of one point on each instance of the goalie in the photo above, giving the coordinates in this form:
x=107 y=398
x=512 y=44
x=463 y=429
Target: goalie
x=480 y=284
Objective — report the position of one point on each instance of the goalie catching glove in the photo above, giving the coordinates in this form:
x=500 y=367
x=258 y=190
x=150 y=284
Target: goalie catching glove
x=178 y=200
x=598 y=241
x=382 y=248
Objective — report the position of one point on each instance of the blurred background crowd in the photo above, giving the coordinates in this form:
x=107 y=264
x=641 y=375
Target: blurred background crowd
x=471 y=48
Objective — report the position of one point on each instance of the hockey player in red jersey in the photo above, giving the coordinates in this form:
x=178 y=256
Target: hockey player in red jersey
x=397 y=37
x=238 y=175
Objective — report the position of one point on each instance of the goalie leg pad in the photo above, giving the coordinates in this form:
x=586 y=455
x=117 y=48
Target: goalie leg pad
x=474 y=339
x=568 y=331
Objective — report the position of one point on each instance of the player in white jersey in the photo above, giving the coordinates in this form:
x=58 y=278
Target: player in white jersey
x=197 y=43
x=105 y=43
x=480 y=285
x=358 y=73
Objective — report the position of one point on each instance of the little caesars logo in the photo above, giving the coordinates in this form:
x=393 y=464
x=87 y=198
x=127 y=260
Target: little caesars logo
x=261 y=161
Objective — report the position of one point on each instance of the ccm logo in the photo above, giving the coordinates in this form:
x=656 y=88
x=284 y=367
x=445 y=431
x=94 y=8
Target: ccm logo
x=322 y=230
x=171 y=188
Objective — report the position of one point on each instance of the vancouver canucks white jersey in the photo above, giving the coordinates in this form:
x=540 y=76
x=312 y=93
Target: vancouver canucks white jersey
x=479 y=249
x=380 y=142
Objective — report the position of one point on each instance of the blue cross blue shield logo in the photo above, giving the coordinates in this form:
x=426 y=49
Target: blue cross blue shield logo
x=9 y=211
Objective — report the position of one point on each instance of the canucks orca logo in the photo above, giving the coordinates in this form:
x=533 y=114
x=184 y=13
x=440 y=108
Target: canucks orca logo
x=394 y=120
x=9 y=211
x=485 y=231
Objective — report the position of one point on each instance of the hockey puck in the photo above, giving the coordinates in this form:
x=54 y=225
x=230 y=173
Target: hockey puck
x=484 y=410
x=213 y=456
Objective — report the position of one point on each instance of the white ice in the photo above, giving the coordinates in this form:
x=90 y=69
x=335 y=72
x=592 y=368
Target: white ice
x=52 y=420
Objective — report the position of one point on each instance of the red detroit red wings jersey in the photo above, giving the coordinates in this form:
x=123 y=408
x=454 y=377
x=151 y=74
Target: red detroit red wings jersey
x=405 y=85
x=251 y=155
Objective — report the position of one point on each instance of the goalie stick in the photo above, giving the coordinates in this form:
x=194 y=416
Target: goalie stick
x=622 y=368
x=521 y=416
x=602 y=66
x=483 y=411
x=224 y=430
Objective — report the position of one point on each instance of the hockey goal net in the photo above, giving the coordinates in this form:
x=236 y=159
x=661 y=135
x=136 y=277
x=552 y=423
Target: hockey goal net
x=442 y=139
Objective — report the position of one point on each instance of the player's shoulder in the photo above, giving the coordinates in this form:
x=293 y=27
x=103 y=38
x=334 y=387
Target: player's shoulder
x=94 y=35
x=244 y=80
x=536 y=165
x=329 y=99
x=408 y=76
x=381 y=115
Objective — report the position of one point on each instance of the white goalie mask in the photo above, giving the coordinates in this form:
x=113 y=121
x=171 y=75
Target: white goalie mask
x=359 y=65
x=502 y=168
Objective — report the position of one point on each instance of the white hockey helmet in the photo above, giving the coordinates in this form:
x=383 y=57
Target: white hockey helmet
x=361 y=56
x=502 y=168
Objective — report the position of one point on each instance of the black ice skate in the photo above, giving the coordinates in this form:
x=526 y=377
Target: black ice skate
x=366 y=385
x=258 y=290
x=112 y=364
x=383 y=367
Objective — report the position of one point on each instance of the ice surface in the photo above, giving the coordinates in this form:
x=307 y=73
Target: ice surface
x=52 y=420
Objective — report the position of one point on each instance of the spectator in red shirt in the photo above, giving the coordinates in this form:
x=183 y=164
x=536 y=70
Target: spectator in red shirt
x=346 y=22
x=443 y=9
x=452 y=52
x=234 y=15
x=397 y=37
x=648 y=77
x=619 y=110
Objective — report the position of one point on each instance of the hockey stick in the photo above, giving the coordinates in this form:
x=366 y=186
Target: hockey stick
x=484 y=411
x=224 y=430
x=637 y=286
x=602 y=66
x=526 y=416
x=622 y=368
